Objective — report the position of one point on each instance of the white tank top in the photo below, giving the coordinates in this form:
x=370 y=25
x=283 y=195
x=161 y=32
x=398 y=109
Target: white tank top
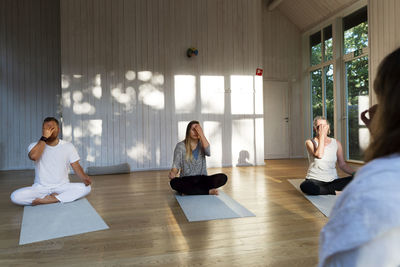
x=323 y=169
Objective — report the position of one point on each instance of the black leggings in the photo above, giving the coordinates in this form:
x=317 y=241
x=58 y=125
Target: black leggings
x=198 y=184
x=315 y=187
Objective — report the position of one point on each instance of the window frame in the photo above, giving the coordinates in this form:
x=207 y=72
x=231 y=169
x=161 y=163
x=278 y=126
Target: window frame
x=345 y=59
x=339 y=72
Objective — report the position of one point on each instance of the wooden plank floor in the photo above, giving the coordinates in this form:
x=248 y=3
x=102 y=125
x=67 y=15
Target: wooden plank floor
x=148 y=228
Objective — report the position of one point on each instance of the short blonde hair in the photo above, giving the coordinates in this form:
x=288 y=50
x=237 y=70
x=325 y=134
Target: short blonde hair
x=319 y=118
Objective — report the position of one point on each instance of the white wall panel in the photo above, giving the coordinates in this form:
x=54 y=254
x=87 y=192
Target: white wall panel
x=384 y=33
x=29 y=75
x=113 y=113
x=130 y=85
x=281 y=60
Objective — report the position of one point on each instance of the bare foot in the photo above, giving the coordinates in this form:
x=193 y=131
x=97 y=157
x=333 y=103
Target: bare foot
x=338 y=192
x=36 y=201
x=213 y=191
x=46 y=200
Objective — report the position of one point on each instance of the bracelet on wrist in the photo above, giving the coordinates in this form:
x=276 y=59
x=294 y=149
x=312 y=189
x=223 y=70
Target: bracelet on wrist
x=44 y=139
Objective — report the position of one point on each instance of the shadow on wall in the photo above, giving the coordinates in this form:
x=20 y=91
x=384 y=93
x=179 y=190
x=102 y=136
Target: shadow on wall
x=244 y=158
x=137 y=117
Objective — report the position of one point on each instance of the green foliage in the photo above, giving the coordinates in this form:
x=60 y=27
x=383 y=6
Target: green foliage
x=328 y=49
x=316 y=93
x=356 y=38
x=316 y=54
x=316 y=87
x=329 y=97
x=357 y=84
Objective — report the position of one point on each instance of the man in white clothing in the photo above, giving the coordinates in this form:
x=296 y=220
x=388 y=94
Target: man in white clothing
x=52 y=157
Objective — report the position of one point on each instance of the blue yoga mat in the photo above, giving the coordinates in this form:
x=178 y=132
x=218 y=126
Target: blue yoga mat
x=44 y=222
x=324 y=203
x=210 y=207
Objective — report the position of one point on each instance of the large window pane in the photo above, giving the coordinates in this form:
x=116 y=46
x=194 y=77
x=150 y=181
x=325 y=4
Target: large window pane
x=329 y=104
x=316 y=93
x=328 y=43
x=355 y=31
x=357 y=100
x=316 y=48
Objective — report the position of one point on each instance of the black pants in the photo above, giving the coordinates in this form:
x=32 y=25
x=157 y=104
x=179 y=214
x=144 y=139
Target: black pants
x=199 y=184
x=315 y=187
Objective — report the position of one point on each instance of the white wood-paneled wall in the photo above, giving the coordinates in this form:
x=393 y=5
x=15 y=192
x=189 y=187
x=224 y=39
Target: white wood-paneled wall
x=384 y=33
x=281 y=60
x=129 y=90
x=29 y=75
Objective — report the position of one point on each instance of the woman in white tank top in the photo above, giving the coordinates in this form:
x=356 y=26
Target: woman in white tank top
x=323 y=153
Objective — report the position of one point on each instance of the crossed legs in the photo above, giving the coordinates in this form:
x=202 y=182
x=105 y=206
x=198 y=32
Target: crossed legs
x=315 y=187
x=199 y=184
x=37 y=194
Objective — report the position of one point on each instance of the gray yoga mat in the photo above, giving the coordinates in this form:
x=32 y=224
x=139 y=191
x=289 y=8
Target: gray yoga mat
x=44 y=222
x=324 y=203
x=210 y=207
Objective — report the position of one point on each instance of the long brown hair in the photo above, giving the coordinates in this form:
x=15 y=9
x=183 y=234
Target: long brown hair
x=385 y=125
x=189 y=155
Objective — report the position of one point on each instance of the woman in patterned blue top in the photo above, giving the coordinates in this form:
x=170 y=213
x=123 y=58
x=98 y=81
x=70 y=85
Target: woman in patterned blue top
x=190 y=162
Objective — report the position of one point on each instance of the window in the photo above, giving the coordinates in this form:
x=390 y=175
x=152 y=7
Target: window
x=355 y=41
x=355 y=31
x=316 y=48
x=340 y=92
x=321 y=75
x=316 y=93
x=328 y=43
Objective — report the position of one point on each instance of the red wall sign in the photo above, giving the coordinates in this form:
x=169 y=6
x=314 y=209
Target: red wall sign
x=259 y=72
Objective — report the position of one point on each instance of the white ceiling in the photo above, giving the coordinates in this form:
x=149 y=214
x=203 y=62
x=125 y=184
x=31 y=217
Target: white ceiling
x=307 y=13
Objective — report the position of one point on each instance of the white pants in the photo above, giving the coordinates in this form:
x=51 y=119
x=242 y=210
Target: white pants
x=66 y=193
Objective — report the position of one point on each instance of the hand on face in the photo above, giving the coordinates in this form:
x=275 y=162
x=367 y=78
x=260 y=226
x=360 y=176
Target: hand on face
x=50 y=130
x=371 y=111
x=322 y=129
x=198 y=129
x=194 y=133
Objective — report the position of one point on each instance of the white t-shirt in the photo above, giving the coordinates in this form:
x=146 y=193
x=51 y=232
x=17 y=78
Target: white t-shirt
x=53 y=166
